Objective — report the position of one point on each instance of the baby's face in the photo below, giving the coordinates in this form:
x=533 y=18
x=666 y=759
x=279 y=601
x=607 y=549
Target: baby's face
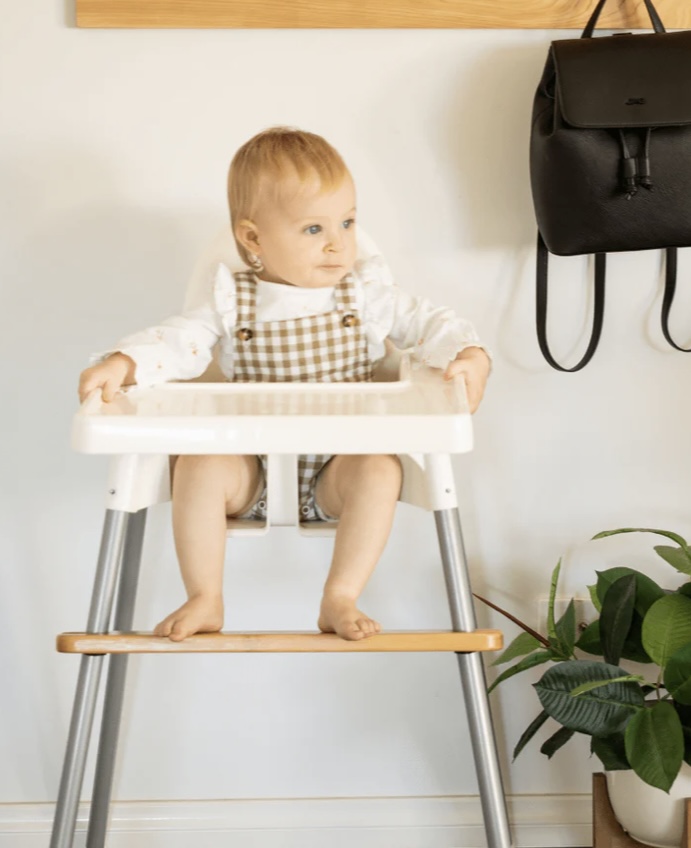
x=307 y=237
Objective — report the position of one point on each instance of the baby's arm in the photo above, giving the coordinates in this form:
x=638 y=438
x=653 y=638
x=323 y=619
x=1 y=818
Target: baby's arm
x=473 y=365
x=115 y=371
x=433 y=335
x=177 y=349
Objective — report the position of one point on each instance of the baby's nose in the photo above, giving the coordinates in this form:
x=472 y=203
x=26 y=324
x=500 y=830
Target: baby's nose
x=335 y=242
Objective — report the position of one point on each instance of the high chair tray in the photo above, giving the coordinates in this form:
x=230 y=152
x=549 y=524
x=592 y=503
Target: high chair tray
x=421 y=414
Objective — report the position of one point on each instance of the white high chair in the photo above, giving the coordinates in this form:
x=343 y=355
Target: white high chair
x=413 y=413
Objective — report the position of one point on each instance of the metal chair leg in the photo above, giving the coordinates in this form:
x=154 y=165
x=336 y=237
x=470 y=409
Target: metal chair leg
x=473 y=680
x=115 y=685
x=72 y=777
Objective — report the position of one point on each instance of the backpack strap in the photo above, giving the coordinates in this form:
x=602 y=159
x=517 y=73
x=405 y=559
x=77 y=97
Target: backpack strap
x=668 y=297
x=652 y=12
x=541 y=306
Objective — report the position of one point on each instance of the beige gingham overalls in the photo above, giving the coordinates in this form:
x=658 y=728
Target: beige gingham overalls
x=327 y=348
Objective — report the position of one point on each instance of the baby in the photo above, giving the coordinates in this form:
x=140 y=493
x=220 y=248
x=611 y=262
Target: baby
x=306 y=309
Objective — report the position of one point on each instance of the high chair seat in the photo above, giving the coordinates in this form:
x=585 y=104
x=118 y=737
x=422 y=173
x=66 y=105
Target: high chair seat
x=417 y=415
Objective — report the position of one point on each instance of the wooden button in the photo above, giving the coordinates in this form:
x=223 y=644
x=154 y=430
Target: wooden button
x=350 y=320
x=245 y=334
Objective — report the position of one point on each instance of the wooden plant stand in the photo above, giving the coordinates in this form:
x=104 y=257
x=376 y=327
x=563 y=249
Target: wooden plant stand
x=608 y=833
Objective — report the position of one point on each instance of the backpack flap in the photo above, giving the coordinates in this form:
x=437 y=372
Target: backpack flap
x=624 y=81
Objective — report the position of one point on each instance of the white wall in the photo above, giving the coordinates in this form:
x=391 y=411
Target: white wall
x=114 y=152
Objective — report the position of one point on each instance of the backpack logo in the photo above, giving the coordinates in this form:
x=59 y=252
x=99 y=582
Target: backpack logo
x=636 y=101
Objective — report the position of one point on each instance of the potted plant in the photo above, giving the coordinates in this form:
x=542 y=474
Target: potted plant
x=639 y=723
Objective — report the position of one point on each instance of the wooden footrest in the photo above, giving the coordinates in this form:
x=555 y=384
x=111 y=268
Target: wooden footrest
x=146 y=643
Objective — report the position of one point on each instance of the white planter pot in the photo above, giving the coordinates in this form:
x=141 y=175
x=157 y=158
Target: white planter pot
x=647 y=814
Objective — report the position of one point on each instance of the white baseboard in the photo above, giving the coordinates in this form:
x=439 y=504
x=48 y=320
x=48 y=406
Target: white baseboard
x=537 y=821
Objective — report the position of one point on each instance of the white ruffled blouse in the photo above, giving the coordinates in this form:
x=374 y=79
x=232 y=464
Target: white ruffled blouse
x=181 y=347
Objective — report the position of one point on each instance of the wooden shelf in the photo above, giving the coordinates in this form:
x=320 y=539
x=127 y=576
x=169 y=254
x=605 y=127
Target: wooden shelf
x=359 y=14
x=146 y=643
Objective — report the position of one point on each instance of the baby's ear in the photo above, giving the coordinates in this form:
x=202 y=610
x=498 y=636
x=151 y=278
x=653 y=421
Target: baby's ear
x=247 y=234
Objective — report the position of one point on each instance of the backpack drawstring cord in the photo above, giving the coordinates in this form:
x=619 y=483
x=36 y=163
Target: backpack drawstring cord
x=644 y=165
x=636 y=171
x=629 y=168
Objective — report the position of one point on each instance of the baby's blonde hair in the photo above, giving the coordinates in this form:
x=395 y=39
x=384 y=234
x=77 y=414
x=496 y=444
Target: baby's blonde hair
x=271 y=156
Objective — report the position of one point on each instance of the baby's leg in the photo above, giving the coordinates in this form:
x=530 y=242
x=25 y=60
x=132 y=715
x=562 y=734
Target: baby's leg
x=361 y=491
x=205 y=490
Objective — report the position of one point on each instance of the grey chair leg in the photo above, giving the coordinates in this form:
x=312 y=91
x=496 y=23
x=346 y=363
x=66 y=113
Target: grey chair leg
x=110 y=554
x=115 y=685
x=473 y=681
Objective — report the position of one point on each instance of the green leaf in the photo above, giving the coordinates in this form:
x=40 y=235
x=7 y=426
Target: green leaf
x=597 y=603
x=617 y=614
x=556 y=741
x=633 y=647
x=655 y=744
x=685 y=589
x=667 y=627
x=529 y=732
x=523 y=644
x=611 y=751
x=589 y=640
x=596 y=684
x=566 y=629
x=590 y=643
x=678 y=558
x=677 y=675
x=673 y=536
x=684 y=713
x=551 y=626
x=647 y=590
x=598 y=713
x=527 y=662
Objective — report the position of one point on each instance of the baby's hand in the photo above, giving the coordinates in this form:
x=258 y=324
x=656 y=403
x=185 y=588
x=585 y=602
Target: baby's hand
x=108 y=375
x=473 y=365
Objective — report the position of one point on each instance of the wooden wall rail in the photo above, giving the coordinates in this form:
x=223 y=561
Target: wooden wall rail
x=357 y=14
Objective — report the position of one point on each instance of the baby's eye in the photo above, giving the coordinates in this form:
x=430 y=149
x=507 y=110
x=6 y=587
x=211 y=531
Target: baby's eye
x=313 y=229
x=349 y=223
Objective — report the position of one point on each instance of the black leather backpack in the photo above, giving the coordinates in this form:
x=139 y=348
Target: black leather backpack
x=610 y=156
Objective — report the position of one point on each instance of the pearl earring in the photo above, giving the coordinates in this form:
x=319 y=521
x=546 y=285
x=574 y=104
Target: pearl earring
x=255 y=263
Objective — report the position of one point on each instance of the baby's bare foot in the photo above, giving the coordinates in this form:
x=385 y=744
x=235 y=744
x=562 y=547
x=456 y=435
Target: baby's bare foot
x=201 y=614
x=340 y=615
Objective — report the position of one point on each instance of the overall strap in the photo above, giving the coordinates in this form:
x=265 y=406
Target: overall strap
x=245 y=297
x=668 y=297
x=654 y=18
x=344 y=293
x=541 y=306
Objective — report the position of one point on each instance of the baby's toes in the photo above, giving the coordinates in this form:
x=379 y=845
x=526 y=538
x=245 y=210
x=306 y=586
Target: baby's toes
x=352 y=631
x=366 y=625
x=178 y=631
x=163 y=628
